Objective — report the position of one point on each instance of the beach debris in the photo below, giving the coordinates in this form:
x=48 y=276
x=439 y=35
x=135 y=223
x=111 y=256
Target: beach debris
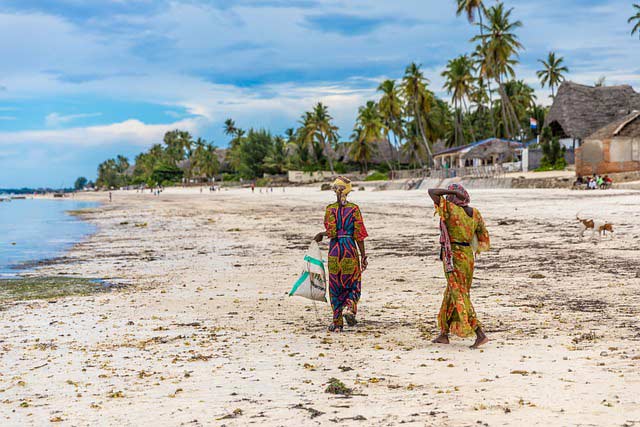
x=345 y=368
x=141 y=224
x=235 y=414
x=537 y=276
x=312 y=411
x=336 y=386
x=325 y=187
x=115 y=394
x=356 y=418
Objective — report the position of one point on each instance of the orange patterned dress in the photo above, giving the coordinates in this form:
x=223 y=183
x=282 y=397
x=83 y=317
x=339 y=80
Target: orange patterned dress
x=457 y=315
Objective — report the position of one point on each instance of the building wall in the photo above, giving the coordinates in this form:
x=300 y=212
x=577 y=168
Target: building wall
x=608 y=156
x=301 y=177
x=535 y=157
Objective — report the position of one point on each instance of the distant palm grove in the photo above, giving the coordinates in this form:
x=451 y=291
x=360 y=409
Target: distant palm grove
x=486 y=99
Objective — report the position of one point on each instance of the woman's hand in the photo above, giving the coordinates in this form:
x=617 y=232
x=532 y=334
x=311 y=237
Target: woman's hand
x=319 y=237
x=364 y=263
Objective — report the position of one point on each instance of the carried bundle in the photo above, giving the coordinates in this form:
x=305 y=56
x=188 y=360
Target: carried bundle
x=312 y=283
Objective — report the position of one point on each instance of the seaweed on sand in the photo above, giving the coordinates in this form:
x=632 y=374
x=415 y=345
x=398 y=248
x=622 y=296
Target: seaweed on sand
x=30 y=288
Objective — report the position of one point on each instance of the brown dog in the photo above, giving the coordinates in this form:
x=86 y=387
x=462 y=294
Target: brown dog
x=601 y=227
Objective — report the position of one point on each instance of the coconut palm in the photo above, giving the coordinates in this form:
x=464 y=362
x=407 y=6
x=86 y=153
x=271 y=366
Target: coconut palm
x=367 y=131
x=501 y=48
x=552 y=73
x=390 y=109
x=418 y=101
x=319 y=127
x=233 y=154
x=459 y=82
x=470 y=8
x=413 y=148
x=635 y=17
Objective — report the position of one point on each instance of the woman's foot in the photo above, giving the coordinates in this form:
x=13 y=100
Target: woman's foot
x=350 y=317
x=441 y=339
x=481 y=339
x=335 y=328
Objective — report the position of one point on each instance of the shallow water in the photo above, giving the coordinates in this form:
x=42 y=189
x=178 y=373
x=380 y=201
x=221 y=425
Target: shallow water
x=35 y=229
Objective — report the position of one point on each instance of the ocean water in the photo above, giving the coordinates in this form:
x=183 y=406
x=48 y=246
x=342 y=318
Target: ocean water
x=37 y=229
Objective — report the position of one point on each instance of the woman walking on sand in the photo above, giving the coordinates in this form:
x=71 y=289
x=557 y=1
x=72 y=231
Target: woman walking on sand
x=462 y=236
x=347 y=257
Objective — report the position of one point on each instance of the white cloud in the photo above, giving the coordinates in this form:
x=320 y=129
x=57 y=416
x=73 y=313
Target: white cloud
x=8 y=118
x=56 y=119
x=133 y=132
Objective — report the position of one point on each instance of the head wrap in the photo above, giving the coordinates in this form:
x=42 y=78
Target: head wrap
x=342 y=187
x=446 y=254
x=455 y=199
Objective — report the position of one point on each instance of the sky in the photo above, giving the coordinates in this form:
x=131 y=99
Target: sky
x=85 y=80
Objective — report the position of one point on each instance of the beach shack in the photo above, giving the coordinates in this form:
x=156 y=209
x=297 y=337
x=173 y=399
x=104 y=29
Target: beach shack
x=579 y=110
x=612 y=148
x=488 y=155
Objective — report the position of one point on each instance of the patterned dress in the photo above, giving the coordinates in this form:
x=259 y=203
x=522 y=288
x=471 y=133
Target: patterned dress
x=457 y=315
x=344 y=227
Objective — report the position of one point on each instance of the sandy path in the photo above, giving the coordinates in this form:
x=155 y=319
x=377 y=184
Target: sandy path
x=206 y=327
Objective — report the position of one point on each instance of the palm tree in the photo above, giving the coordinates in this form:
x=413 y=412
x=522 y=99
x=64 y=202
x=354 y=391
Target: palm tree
x=418 y=100
x=412 y=147
x=320 y=128
x=551 y=74
x=276 y=160
x=390 y=109
x=501 y=46
x=459 y=83
x=470 y=7
x=636 y=17
x=367 y=131
x=230 y=127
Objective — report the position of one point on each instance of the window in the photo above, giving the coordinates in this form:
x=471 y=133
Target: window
x=635 y=149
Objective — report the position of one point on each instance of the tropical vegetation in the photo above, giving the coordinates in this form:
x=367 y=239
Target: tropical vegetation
x=397 y=129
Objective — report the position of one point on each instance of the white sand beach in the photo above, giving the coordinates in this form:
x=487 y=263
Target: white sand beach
x=205 y=334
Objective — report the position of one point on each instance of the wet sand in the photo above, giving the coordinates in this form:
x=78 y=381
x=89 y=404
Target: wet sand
x=205 y=334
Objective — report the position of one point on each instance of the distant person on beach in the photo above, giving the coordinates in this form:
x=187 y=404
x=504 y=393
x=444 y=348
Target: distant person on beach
x=109 y=195
x=347 y=256
x=253 y=187
x=462 y=236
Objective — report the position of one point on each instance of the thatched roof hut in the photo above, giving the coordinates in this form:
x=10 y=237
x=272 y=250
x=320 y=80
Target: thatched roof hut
x=494 y=149
x=580 y=110
x=626 y=127
x=612 y=148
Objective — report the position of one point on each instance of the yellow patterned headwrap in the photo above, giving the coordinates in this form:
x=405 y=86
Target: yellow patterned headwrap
x=342 y=186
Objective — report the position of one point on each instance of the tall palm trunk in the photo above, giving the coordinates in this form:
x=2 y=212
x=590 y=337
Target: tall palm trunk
x=421 y=128
x=324 y=146
x=473 y=133
x=484 y=46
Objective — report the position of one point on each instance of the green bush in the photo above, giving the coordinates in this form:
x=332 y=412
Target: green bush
x=230 y=177
x=377 y=176
x=165 y=172
x=263 y=182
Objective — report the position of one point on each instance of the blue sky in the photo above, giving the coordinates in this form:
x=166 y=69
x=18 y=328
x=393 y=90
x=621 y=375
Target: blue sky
x=84 y=80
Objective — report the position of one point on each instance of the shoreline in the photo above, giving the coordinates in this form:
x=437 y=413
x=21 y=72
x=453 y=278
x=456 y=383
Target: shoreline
x=205 y=327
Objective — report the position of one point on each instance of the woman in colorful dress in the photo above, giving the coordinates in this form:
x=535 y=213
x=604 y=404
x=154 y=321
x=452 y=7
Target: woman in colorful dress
x=347 y=257
x=462 y=235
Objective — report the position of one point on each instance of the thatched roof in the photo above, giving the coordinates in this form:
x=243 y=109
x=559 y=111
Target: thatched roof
x=478 y=144
x=496 y=147
x=580 y=110
x=628 y=126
